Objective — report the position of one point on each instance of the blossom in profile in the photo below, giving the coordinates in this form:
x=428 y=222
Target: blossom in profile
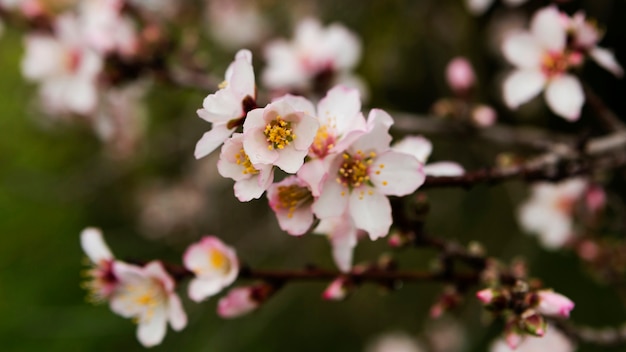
x=226 y=108
x=552 y=340
x=280 y=134
x=291 y=200
x=421 y=148
x=542 y=62
x=147 y=295
x=251 y=180
x=360 y=179
x=102 y=281
x=65 y=68
x=554 y=304
x=237 y=302
x=315 y=55
x=548 y=213
x=214 y=265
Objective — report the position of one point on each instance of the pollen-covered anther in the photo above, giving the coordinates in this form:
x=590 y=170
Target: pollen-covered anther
x=219 y=260
x=554 y=64
x=291 y=197
x=279 y=133
x=324 y=141
x=242 y=159
x=354 y=171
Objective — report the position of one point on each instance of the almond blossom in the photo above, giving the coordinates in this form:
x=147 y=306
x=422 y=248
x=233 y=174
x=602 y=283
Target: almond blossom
x=315 y=53
x=548 y=212
x=105 y=28
x=251 y=180
x=214 y=265
x=103 y=281
x=66 y=69
x=291 y=200
x=361 y=178
x=226 y=108
x=421 y=148
x=239 y=301
x=280 y=134
x=553 y=340
x=147 y=295
x=542 y=62
x=341 y=123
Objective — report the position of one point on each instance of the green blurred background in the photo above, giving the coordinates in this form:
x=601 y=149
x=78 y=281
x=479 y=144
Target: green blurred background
x=56 y=180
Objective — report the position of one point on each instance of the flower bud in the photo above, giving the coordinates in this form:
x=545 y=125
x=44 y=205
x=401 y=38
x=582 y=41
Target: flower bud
x=533 y=323
x=338 y=290
x=552 y=303
x=243 y=300
x=460 y=75
x=484 y=116
x=486 y=295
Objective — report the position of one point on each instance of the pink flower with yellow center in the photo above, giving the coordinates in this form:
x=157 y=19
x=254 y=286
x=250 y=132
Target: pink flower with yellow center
x=214 y=265
x=360 y=179
x=102 y=281
x=291 y=200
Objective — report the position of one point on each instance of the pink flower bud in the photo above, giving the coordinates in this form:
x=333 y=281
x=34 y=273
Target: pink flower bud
x=239 y=301
x=533 y=323
x=460 y=75
x=595 y=198
x=486 y=295
x=338 y=290
x=513 y=339
x=552 y=303
x=484 y=116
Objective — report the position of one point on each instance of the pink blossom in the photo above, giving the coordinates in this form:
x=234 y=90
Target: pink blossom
x=337 y=290
x=548 y=212
x=105 y=28
x=421 y=148
x=102 y=281
x=291 y=200
x=363 y=175
x=65 y=68
x=553 y=340
x=239 y=301
x=554 y=304
x=147 y=295
x=486 y=295
x=460 y=75
x=595 y=198
x=225 y=108
x=314 y=51
x=280 y=134
x=542 y=62
x=251 y=180
x=214 y=265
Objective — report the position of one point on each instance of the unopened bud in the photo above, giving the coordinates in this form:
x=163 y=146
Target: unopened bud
x=460 y=75
x=339 y=289
x=554 y=304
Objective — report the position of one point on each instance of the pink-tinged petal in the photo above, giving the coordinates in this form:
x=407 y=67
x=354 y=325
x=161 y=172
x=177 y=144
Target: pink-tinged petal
x=254 y=120
x=554 y=304
x=565 y=97
x=151 y=331
x=155 y=270
x=377 y=140
x=201 y=288
x=305 y=132
x=175 y=313
x=417 y=146
x=256 y=147
x=300 y=221
x=248 y=189
x=299 y=104
x=242 y=78
x=606 y=59
x=343 y=243
x=221 y=107
x=94 y=246
x=127 y=272
x=290 y=160
x=331 y=202
x=237 y=302
x=396 y=174
x=547 y=27
x=337 y=290
x=521 y=86
x=444 y=168
x=347 y=139
x=379 y=116
x=523 y=50
x=478 y=7
x=81 y=95
x=339 y=107
x=344 y=46
x=552 y=227
x=485 y=295
x=211 y=140
x=314 y=172
x=371 y=213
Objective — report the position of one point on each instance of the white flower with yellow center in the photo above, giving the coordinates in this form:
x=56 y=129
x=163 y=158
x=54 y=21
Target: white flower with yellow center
x=291 y=200
x=214 y=265
x=360 y=179
x=147 y=295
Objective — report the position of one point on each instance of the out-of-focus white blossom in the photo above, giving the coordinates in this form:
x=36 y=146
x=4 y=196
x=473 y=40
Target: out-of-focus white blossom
x=235 y=23
x=553 y=341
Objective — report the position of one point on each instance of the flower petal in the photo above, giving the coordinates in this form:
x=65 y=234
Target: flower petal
x=175 y=313
x=151 y=331
x=444 y=168
x=565 y=97
x=606 y=59
x=333 y=200
x=547 y=27
x=523 y=50
x=417 y=146
x=94 y=246
x=371 y=213
x=397 y=174
x=211 y=140
x=521 y=86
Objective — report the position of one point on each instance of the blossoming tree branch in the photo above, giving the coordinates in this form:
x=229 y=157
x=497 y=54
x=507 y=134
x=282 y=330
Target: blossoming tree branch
x=300 y=138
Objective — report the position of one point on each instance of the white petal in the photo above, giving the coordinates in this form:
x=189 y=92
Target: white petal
x=331 y=202
x=444 y=168
x=396 y=173
x=417 y=146
x=549 y=29
x=290 y=160
x=478 y=7
x=248 y=189
x=242 y=79
x=606 y=59
x=314 y=173
x=202 y=288
x=343 y=243
x=94 y=246
x=371 y=213
x=152 y=331
x=565 y=97
x=523 y=50
x=211 y=140
x=299 y=222
x=521 y=86
x=340 y=107
x=221 y=107
x=175 y=313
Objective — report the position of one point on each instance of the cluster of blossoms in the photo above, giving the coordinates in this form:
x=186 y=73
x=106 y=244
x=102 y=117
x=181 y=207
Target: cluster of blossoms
x=545 y=56
x=147 y=293
x=340 y=165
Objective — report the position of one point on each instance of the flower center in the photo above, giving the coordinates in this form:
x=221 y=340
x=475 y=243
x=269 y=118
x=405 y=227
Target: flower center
x=354 y=170
x=279 y=133
x=100 y=283
x=242 y=159
x=323 y=142
x=72 y=60
x=292 y=197
x=554 y=64
x=218 y=260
